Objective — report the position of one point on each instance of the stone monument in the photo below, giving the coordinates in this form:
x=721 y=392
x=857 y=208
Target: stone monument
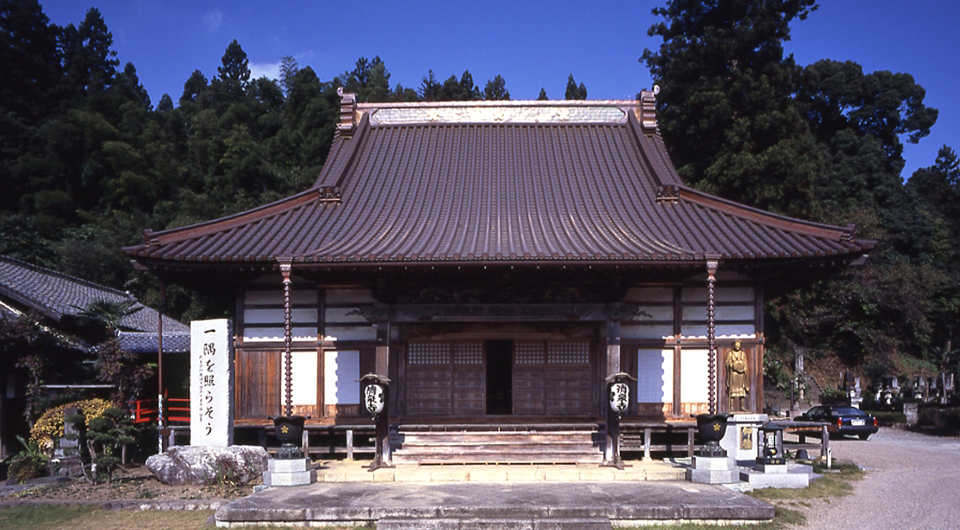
x=211 y=383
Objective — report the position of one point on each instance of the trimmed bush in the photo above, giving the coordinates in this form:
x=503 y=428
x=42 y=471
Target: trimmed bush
x=50 y=426
x=938 y=417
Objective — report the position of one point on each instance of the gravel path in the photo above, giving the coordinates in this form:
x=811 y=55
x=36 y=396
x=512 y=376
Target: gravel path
x=912 y=482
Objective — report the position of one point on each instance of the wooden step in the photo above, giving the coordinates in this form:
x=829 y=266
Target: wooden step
x=518 y=445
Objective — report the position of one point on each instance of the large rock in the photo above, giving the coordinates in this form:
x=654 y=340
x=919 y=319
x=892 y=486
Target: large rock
x=209 y=465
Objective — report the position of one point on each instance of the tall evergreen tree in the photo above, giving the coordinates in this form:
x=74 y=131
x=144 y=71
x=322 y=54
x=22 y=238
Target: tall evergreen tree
x=496 y=90
x=234 y=76
x=430 y=87
x=462 y=89
x=859 y=119
x=574 y=91
x=369 y=80
x=31 y=64
x=288 y=70
x=726 y=104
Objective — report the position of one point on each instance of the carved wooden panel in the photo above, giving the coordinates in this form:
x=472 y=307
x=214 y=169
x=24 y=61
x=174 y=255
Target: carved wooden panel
x=258 y=380
x=444 y=379
x=552 y=378
x=528 y=389
x=428 y=389
x=569 y=387
x=469 y=385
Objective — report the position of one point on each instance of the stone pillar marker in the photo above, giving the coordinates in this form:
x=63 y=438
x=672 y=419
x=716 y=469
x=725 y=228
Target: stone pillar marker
x=211 y=383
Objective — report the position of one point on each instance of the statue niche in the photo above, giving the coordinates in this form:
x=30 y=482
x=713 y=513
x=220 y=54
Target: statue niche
x=738 y=381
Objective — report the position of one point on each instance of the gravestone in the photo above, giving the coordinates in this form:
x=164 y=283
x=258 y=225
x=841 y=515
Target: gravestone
x=70 y=441
x=211 y=383
x=66 y=457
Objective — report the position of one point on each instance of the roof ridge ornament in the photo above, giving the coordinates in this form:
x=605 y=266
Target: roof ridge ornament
x=648 y=110
x=150 y=238
x=328 y=193
x=348 y=113
x=849 y=233
x=668 y=193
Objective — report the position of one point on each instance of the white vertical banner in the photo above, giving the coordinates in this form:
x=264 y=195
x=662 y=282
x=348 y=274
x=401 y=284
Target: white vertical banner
x=211 y=382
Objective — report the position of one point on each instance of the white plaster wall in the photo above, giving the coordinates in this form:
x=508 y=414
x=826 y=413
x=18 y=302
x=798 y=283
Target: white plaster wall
x=693 y=376
x=341 y=372
x=655 y=376
x=304 y=381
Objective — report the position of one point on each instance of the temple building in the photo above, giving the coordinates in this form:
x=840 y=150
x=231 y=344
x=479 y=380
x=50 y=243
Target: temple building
x=498 y=261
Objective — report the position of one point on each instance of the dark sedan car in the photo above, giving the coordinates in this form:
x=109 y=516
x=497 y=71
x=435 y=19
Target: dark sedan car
x=842 y=420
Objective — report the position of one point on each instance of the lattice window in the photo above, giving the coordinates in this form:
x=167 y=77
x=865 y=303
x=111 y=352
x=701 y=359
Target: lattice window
x=568 y=353
x=428 y=353
x=464 y=354
x=528 y=353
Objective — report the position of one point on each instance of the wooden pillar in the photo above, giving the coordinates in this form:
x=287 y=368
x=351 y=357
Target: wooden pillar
x=384 y=456
x=612 y=433
x=712 y=264
x=285 y=268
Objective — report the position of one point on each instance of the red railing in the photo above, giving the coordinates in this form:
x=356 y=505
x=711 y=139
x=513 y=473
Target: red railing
x=176 y=411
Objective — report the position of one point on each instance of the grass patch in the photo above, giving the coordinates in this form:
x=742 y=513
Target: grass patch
x=783 y=519
x=836 y=482
x=93 y=518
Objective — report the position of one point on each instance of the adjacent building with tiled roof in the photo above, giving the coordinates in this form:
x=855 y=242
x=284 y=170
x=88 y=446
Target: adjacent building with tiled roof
x=26 y=288
x=497 y=261
x=54 y=300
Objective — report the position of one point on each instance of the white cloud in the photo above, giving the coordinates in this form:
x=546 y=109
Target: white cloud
x=212 y=20
x=269 y=70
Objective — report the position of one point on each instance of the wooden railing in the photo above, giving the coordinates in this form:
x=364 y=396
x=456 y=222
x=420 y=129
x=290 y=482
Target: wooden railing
x=176 y=411
x=677 y=438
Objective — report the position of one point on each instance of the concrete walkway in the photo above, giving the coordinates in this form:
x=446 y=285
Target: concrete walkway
x=342 y=471
x=487 y=497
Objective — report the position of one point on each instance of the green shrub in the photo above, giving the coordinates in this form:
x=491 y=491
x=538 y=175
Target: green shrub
x=106 y=434
x=50 y=426
x=29 y=463
x=947 y=418
x=889 y=418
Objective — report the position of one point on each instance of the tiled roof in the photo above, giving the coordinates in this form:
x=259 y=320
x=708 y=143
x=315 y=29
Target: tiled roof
x=139 y=342
x=54 y=295
x=516 y=182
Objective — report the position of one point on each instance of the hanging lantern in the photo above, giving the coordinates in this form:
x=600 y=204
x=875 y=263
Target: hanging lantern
x=619 y=397
x=373 y=398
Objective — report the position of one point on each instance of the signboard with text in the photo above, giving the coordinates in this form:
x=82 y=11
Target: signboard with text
x=211 y=382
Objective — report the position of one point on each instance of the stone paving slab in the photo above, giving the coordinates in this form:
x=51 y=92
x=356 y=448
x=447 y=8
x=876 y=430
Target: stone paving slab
x=343 y=471
x=367 y=503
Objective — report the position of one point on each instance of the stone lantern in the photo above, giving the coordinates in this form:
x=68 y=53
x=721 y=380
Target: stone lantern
x=770 y=448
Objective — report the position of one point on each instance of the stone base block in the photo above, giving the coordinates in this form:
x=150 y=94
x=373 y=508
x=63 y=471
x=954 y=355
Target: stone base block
x=704 y=462
x=713 y=476
x=299 y=472
x=276 y=465
x=299 y=478
x=759 y=479
x=707 y=470
x=770 y=468
x=494 y=524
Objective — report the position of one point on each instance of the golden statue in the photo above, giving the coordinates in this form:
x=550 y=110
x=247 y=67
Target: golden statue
x=738 y=384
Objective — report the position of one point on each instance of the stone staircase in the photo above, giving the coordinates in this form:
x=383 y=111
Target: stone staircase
x=509 y=444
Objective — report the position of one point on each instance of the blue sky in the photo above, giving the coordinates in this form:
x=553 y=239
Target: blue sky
x=531 y=44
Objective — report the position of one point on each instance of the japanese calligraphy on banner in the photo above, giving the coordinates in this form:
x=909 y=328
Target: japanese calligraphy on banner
x=211 y=382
